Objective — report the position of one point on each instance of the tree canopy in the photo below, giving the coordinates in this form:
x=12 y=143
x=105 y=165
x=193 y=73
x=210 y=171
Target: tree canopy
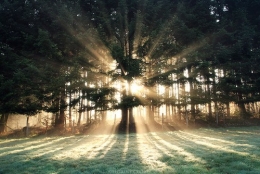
x=55 y=55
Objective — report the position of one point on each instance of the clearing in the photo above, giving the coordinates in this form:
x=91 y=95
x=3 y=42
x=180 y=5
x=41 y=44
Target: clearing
x=221 y=150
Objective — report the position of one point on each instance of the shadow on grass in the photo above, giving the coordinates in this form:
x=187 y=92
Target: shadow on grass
x=109 y=153
x=124 y=151
x=203 y=154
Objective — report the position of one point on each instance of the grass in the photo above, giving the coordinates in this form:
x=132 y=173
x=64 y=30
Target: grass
x=222 y=150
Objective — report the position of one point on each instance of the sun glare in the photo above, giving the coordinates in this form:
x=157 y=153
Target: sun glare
x=136 y=86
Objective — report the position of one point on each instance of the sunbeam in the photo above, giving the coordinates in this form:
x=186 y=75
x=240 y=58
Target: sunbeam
x=126 y=147
x=188 y=156
x=149 y=153
x=29 y=147
x=211 y=145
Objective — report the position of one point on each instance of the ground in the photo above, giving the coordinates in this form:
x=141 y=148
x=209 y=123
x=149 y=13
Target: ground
x=205 y=150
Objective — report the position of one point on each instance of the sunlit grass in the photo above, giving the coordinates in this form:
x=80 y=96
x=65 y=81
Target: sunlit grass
x=230 y=150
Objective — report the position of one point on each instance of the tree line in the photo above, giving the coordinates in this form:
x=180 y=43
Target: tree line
x=60 y=54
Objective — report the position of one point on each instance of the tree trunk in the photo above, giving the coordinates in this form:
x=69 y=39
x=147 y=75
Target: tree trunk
x=59 y=122
x=27 y=127
x=186 y=116
x=192 y=106
x=88 y=113
x=242 y=109
x=215 y=100
x=61 y=118
x=150 y=114
x=166 y=97
x=216 y=112
x=104 y=116
x=80 y=110
x=209 y=98
x=168 y=111
x=70 y=119
x=173 y=112
x=228 y=109
x=131 y=116
x=124 y=112
x=79 y=119
x=3 y=121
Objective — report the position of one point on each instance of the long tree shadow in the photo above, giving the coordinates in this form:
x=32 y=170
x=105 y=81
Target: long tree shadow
x=29 y=144
x=108 y=153
x=120 y=156
x=153 y=152
x=207 y=155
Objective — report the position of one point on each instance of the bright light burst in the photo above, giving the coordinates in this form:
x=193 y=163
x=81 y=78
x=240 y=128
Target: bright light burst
x=100 y=55
x=136 y=86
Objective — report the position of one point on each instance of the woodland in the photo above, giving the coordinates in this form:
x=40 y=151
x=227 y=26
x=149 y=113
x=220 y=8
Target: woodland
x=181 y=60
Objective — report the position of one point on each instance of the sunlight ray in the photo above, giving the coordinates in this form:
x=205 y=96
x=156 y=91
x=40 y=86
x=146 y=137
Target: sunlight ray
x=26 y=142
x=191 y=48
x=82 y=148
x=89 y=38
x=31 y=147
x=139 y=23
x=219 y=147
x=6 y=141
x=126 y=147
x=109 y=141
x=154 y=152
x=107 y=149
x=149 y=153
x=159 y=37
x=215 y=139
x=141 y=125
x=179 y=150
x=40 y=153
x=244 y=132
x=66 y=145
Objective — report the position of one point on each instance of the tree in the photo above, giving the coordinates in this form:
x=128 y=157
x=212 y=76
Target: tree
x=118 y=25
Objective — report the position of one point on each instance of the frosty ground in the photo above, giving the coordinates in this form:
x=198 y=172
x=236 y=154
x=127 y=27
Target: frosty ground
x=220 y=150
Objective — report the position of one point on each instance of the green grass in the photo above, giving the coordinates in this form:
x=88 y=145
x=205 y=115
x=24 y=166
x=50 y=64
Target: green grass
x=225 y=150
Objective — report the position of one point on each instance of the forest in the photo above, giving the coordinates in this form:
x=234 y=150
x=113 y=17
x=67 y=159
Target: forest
x=181 y=60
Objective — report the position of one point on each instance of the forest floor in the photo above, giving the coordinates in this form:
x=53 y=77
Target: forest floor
x=205 y=150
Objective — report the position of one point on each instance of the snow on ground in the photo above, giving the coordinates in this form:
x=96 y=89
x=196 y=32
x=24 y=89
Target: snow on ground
x=225 y=150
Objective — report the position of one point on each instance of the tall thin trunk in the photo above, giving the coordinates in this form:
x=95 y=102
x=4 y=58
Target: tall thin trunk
x=209 y=99
x=228 y=109
x=70 y=119
x=59 y=122
x=191 y=93
x=179 y=101
x=27 y=127
x=104 y=116
x=215 y=100
x=167 y=107
x=55 y=115
x=186 y=116
x=242 y=108
x=151 y=113
x=88 y=119
x=80 y=110
x=3 y=122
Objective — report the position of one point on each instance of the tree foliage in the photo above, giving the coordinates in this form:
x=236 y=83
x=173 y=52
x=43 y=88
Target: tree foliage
x=53 y=50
